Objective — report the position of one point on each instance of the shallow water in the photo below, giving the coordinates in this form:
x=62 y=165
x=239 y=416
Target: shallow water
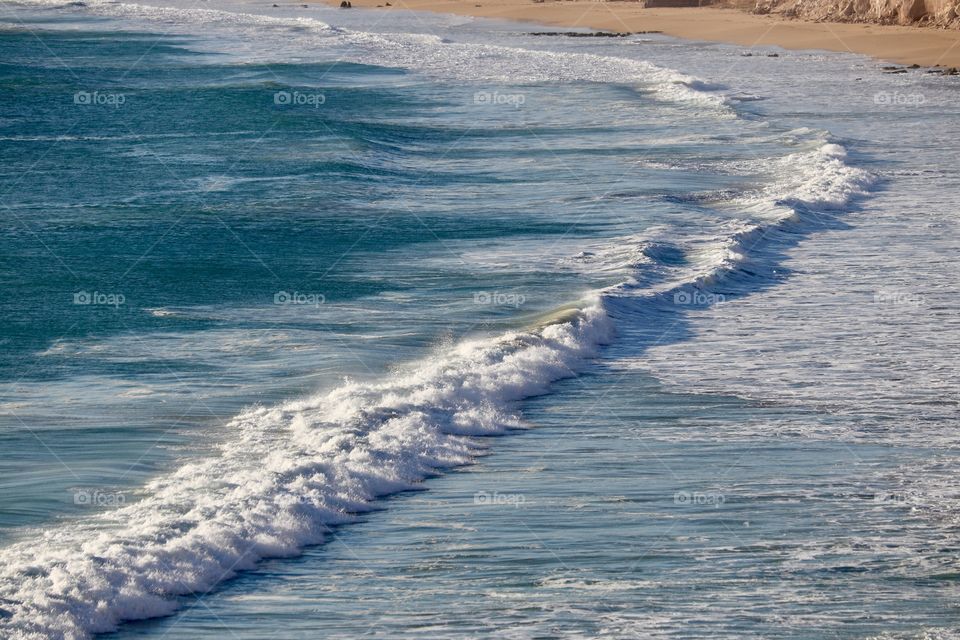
x=328 y=261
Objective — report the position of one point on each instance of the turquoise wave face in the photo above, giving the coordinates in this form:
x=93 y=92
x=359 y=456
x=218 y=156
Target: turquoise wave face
x=178 y=183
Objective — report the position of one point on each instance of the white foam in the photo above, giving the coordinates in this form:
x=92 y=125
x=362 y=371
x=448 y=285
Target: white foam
x=294 y=470
x=289 y=473
x=429 y=53
x=802 y=188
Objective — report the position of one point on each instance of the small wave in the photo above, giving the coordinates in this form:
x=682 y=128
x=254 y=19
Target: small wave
x=290 y=474
x=429 y=53
x=163 y=313
x=806 y=186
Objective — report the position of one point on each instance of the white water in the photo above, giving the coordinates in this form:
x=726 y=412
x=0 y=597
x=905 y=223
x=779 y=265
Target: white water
x=290 y=472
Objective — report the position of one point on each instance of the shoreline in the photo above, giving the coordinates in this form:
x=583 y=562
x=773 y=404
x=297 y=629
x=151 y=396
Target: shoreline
x=922 y=46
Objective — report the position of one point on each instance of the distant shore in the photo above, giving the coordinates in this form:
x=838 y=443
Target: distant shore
x=905 y=45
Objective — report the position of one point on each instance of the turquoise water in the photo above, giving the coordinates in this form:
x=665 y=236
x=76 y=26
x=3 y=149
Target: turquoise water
x=269 y=270
x=198 y=200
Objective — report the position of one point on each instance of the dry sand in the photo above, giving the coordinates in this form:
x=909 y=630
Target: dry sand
x=905 y=45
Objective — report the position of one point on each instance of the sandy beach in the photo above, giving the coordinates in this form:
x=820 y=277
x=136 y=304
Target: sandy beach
x=904 y=45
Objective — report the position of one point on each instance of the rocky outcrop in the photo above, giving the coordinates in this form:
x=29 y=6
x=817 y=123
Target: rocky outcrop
x=655 y=4
x=938 y=13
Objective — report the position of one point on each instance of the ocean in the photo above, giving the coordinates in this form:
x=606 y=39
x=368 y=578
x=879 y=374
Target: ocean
x=324 y=323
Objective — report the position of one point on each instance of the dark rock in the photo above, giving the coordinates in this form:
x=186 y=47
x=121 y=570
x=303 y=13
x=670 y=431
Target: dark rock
x=670 y=4
x=952 y=71
x=914 y=66
x=590 y=34
x=773 y=55
x=345 y=4
x=912 y=11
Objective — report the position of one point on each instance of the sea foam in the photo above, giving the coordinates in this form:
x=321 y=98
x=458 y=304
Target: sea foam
x=431 y=54
x=291 y=472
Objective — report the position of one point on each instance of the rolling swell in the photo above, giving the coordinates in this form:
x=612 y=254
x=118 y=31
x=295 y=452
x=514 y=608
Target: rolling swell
x=293 y=471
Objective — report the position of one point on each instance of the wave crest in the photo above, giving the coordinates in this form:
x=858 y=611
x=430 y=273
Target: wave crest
x=290 y=474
